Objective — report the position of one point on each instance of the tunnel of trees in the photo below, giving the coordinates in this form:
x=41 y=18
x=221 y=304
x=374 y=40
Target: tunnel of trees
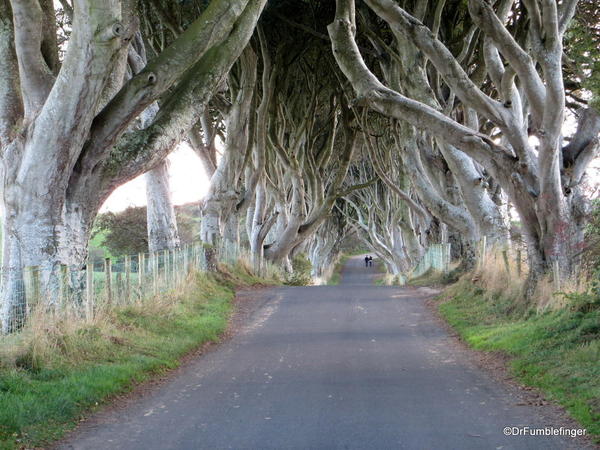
x=406 y=123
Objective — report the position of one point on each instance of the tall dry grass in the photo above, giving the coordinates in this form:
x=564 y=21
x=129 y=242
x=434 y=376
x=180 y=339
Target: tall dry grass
x=499 y=276
x=52 y=339
x=68 y=338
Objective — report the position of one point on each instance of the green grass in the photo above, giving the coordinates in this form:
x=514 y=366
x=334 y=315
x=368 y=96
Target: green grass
x=557 y=352
x=433 y=278
x=46 y=387
x=97 y=248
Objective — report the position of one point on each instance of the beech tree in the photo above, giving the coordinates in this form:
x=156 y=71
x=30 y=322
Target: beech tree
x=65 y=125
x=528 y=99
x=324 y=246
x=225 y=189
x=160 y=217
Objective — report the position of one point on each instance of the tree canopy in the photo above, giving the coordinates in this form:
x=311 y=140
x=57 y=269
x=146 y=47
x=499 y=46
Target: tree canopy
x=407 y=122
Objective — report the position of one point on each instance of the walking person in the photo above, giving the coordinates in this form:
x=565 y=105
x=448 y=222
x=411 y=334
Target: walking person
x=370 y=261
x=367 y=261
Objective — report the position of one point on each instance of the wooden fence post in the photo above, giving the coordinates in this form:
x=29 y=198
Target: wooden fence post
x=64 y=285
x=141 y=270
x=154 y=257
x=174 y=272
x=519 y=263
x=127 y=278
x=32 y=290
x=119 y=287
x=108 y=278
x=165 y=268
x=186 y=261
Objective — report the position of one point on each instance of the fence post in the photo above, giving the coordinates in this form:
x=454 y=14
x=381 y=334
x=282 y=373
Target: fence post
x=165 y=273
x=32 y=289
x=165 y=254
x=127 y=278
x=141 y=270
x=519 y=263
x=108 y=278
x=174 y=267
x=89 y=290
x=119 y=288
x=170 y=260
x=154 y=257
x=448 y=257
x=64 y=285
x=186 y=261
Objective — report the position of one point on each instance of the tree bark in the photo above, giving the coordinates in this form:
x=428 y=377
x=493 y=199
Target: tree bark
x=161 y=219
x=62 y=163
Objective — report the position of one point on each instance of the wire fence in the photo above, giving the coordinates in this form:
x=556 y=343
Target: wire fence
x=513 y=258
x=109 y=282
x=437 y=257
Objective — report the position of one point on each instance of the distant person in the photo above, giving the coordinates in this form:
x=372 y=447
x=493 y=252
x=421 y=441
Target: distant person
x=367 y=261
x=370 y=261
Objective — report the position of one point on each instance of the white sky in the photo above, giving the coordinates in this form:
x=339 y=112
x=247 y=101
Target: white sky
x=189 y=183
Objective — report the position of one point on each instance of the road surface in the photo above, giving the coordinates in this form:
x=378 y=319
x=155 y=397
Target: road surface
x=353 y=366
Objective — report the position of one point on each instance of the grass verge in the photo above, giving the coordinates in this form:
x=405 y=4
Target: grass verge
x=434 y=278
x=60 y=368
x=336 y=275
x=556 y=351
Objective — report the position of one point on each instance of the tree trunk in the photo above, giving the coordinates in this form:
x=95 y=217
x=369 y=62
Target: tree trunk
x=231 y=232
x=162 y=223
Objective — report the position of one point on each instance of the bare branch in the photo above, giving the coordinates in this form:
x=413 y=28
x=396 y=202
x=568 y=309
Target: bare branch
x=566 y=11
x=485 y=18
x=392 y=104
x=35 y=75
x=11 y=107
x=390 y=184
x=357 y=187
x=440 y=56
x=208 y=31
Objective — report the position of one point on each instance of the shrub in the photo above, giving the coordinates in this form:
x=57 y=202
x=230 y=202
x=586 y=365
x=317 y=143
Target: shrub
x=301 y=269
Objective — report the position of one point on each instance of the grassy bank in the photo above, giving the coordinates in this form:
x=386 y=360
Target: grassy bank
x=58 y=369
x=557 y=351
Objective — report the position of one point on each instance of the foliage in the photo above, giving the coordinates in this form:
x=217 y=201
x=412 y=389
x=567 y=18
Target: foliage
x=125 y=232
x=556 y=351
x=351 y=245
x=581 y=46
x=590 y=259
x=434 y=277
x=301 y=269
x=591 y=255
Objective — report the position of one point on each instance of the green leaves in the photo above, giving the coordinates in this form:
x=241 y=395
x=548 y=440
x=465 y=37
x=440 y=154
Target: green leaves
x=582 y=46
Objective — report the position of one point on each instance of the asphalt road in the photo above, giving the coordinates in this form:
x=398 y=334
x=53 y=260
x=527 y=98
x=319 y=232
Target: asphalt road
x=353 y=366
